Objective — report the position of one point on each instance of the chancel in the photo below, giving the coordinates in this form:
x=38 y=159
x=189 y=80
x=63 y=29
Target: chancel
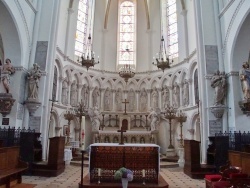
x=136 y=75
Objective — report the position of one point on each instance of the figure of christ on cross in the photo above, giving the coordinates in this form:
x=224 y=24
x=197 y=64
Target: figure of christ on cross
x=125 y=113
x=122 y=138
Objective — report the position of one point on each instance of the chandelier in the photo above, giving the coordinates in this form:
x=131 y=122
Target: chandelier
x=88 y=59
x=126 y=72
x=162 y=59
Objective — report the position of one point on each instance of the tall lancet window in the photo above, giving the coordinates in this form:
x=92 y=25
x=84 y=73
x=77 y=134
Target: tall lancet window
x=172 y=35
x=126 y=37
x=82 y=26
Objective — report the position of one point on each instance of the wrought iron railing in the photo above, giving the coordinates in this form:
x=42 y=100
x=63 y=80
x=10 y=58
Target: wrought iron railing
x=237 y=140
x=11 y=136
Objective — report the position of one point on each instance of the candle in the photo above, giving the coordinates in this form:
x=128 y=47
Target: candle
x=143 y=173
x=99 y=172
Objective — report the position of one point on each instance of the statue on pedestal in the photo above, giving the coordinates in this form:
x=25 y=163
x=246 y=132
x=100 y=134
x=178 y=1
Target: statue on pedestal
x=244 y=75
x=176 y=95
x=33 y=77
x=218 y=82
x=6 y=70
x=165 y=97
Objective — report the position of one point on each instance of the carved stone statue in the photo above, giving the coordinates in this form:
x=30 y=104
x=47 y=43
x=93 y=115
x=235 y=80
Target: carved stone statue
x=65 y=92
x=143 y=100
x=244 y=74
x=94 y=114
x=34 y=76
x=85 y=95
x=118 y=99
x=96 y=96
x=165 y=97
x=154 y=119
x=218 y=82
x=131 y=100
x=176 y=95
x=73 y=94
x=6 y=71
x=107 y=99
x=155 y=97
x=185 y=93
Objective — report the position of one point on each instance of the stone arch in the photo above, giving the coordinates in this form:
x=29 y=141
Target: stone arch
x=58 y=64
x=194 y=130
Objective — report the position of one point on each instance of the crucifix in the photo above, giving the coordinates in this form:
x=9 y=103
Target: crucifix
x=122 y=138
x=125 y=113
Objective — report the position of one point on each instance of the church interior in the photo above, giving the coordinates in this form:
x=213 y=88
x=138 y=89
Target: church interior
x=160 y=87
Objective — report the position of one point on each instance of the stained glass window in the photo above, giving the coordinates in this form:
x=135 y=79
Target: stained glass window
x=172 y=34
x=126 y=49
x=81 y=30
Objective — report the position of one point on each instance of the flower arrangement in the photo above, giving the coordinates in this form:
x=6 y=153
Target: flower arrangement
x=124 y=173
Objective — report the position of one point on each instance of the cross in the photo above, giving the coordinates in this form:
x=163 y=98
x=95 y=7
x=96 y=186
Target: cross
x=122 y=138
x=125 y=113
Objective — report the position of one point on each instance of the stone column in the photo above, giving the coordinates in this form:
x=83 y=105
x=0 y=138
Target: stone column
x=170 y=88
x=90 y=96
x=190 y=91
x=70 y=11
x=69 y=93
x=79 y=93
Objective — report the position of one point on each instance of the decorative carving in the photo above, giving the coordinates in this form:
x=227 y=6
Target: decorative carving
x=7 y=70
x=131 y=100
x=118 y=99
x=218 y=111
x=94 y=114
x=244 y=74
x=176 y=95
x=185 y=93
x=143 y=100
x=165 y=97
x=96 y=97
x=107 y=99
x=33 y=77
x=155 y=97
x=6 y=103
x=155 y=119
x=245 y=106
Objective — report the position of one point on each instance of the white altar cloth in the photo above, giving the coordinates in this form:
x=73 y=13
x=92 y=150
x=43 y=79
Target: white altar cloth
x=67 y=156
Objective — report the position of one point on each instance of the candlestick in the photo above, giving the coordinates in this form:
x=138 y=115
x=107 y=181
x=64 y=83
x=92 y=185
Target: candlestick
x=143 y=173
x=99 y=172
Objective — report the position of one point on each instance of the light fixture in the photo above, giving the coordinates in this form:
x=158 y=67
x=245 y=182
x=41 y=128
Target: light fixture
x=88 y=59
x=162 y=59
x=126 y=71
x=170 y=114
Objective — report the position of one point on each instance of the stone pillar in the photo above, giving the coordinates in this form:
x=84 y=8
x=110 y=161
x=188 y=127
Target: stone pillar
x=181 y=94
x=113 y=100
x=69 y=93
x=90 y=104
x=79 y=93
x=67 y=38
x=185 y=29
x=170 y=88
x=159 y=90
x=190 y=92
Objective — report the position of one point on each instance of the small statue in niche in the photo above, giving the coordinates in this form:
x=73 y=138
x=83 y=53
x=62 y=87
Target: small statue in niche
x=118 y=99
x=244 y=74
x=218 y=82
x=165 y=97
x=6 y=70
x=65 y=92
x=107 y=99
x=34 y=76
x=185 y=93
x=153 y=116
x=96 y=96
x=176 y=95
x=143 y=100
x=94 y=114
x=155 y=97
x=73 y=94
x=85 y=95
x=131 y=100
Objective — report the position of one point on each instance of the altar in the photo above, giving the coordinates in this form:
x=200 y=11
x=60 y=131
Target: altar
x=106 y=158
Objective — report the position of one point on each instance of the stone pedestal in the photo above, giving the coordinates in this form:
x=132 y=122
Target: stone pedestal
x=170 y=153
x=218 y=111
x=181 y=160
x=245 y=106
x=6 y=103
x=58 y=131
x=32 y=105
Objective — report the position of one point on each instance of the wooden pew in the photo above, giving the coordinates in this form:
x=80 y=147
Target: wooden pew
x=11 y=167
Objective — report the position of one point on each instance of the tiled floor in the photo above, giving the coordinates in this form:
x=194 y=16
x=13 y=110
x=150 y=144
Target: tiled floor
x=71 y=177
